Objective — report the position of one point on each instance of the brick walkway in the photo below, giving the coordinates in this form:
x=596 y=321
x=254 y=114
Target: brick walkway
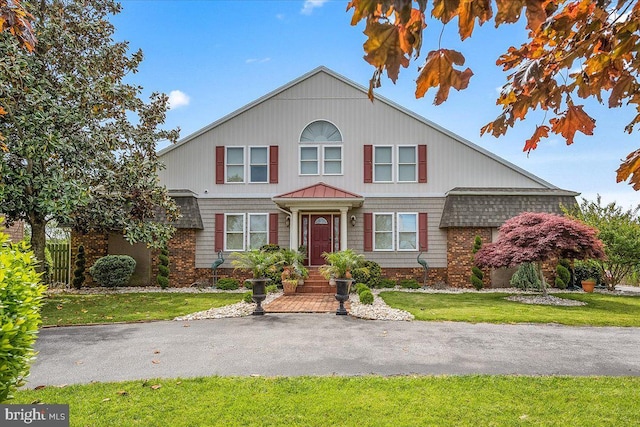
x=304 y=303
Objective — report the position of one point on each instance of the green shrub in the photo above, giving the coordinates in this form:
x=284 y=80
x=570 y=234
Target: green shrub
x=113 y=270
x=563 y=277
x=387 y=283
x=48 y=266
x=370 y=275
x=585 y=270
x=248 y=284
x=228 y=284
x=78 y=272
x=359 y=287
x=476 y=278
x=20 y=299
x=272 y=289
x=526 y=277
x=366 y=297
x=270 y=248
x=409 y=284
x=163 y=268
x=246 y=297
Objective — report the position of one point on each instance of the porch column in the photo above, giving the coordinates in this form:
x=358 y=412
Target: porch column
x=343 y=228
x=293 y=229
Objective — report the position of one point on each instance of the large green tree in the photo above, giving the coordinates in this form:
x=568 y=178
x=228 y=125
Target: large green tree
x=576 y=49
x=619 y=230
x=79 y=141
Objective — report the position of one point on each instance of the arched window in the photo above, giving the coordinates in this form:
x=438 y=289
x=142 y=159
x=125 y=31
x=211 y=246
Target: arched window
x=320 y=145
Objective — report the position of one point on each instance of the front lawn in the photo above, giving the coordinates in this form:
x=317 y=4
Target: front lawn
x=601 y=309
x=351 y=401
x=129 y=307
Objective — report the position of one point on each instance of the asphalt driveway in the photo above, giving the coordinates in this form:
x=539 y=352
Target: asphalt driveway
x=325 y=344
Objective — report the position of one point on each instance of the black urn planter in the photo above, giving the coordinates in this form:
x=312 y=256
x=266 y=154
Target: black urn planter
x=259 y=294
x=342 y=294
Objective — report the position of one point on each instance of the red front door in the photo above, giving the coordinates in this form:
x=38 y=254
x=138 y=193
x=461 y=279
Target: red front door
x=321 y=238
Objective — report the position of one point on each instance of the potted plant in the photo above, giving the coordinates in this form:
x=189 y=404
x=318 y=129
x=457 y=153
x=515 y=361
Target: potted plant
x=588 y=284
x=339 y=268
x=259 y=262
x=293 y=272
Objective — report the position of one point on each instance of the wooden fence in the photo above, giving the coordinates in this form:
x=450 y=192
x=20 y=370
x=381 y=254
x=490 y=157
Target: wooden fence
x=61 y=255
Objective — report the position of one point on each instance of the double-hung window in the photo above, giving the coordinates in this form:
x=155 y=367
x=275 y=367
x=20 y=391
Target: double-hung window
x=309 y=161
x=332 y=160
x=383 y=164
x=407 y=164
x=246 y=231
x=235 y=164
x=407 y=231
x=258 y=164
x=383 y=232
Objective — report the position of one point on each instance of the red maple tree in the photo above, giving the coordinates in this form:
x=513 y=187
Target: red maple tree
x=538 y=237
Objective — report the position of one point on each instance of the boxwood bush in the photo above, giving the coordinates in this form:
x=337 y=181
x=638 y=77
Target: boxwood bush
x=359 y=287
x=227 y=284
x=387 y=283
x=20 y=300
x=113 y=270
x=370 y=275
x=366 y=297
x=409 y=284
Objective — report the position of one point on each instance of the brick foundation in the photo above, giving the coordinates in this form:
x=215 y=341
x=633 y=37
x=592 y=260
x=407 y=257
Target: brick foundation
x=460 y=255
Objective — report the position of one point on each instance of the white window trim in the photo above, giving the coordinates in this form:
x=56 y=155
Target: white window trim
x=248 y=228
x=397 y=168
x=324 y=158
x=244 y=165
x=244 y=231
x=393 y=231
x=249 y=164
x=318 y=159
x=417 y=232
x=392 y=164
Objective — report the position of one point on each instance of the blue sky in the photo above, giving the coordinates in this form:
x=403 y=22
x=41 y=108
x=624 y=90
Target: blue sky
x=216 y=56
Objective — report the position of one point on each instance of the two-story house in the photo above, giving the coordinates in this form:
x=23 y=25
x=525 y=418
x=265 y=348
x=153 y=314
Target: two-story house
x=316 y=165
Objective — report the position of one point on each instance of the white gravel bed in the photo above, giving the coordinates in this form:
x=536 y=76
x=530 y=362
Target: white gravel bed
x=234 y=310
x=379 y=310
x=542 y=300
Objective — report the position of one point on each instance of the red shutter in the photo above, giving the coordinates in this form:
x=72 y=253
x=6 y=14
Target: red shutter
x=273 y=164
x=368 y=232
x=368 y=163
x=219 y=165
x=273 y=228
x=423 y=231
x=219 y=237
x=422 y=163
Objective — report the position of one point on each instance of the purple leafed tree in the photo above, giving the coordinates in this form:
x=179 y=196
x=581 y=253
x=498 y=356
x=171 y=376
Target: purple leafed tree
x=538 y=237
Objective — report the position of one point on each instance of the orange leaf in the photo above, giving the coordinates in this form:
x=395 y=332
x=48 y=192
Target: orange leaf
x=536 y=14
x=573 y=120
x=532 y=144
x=625 y=86
x=630 y=168
x=470 y=10
x=383 y=48
x=508 y=11
x=155 y=361
x=498 y=126
x=361 y=8
x=3 y=111
x=445 y=10
x=438 y=72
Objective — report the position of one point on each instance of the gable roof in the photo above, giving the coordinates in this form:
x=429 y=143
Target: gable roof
x=379 y=98
x=319 y=191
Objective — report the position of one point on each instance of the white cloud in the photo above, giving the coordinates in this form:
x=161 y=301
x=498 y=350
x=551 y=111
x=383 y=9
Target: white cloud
x=178 y=99
x=257 y=60
x=309 y=5
x=280 y=16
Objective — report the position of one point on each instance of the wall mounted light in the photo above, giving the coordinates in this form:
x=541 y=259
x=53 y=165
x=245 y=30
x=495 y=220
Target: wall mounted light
x=353 y=220
x=287 y=221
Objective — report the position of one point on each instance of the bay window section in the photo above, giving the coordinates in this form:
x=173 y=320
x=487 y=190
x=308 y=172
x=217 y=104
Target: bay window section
x=383 y=164
x=235 y=164
x=407 y=231
x=383 y=232
x=258 y=164
x=308 y=160
x=258 y=230
x=407 y=164
x=234 y=232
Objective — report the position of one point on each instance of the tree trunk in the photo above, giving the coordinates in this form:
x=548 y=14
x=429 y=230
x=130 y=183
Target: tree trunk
x=543 y=283
x=38 y=243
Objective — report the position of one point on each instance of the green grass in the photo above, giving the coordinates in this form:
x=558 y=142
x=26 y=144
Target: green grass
x=351 y=401
x=130 y=307
x=601 y=309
